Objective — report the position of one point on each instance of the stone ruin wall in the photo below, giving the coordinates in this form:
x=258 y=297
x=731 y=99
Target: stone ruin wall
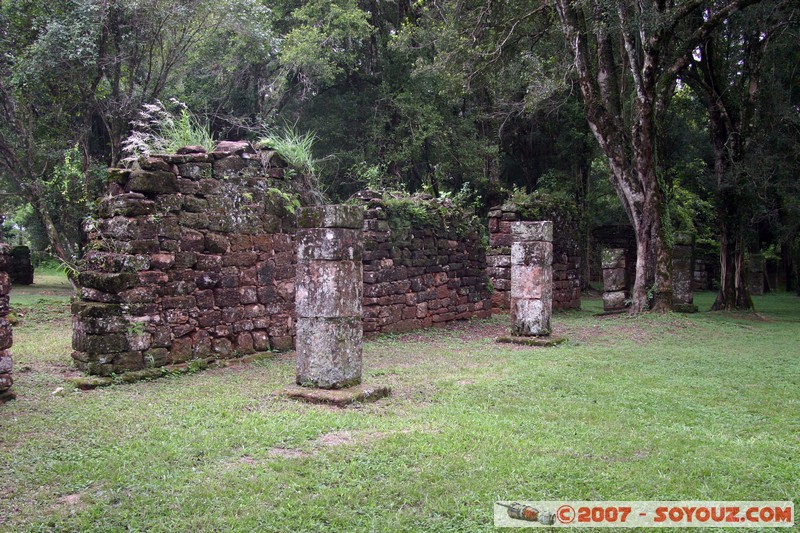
x=193 y=256
x=423 y=275
x=613 y=236
x=566 y=259
x=6 y=363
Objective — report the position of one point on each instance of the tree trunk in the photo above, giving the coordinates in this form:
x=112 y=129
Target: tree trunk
x=582 y=201
x=733 y=292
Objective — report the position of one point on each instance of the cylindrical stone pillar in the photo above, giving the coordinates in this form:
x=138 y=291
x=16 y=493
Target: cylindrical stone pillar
x=531 y=277
x=329 y=286
x=6 y=364
x=615 y=284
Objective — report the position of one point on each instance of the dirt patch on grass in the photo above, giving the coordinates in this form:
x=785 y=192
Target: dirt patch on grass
x=610 y=329
x=69 y=504
x=289 y=453
x=347 y=437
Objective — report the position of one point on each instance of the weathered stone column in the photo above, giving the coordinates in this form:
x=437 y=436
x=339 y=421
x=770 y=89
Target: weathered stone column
x=683 y=273
x=531 y=278
x=6 y=363
x=615 y=284
x=328 y=296
x=700 y=282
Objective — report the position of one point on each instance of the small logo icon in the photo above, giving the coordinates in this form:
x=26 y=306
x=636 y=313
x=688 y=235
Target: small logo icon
x=565 y=514
x=517 y=511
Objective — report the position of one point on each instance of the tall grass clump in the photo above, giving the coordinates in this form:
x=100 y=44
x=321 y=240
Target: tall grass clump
x=296 y=149
x=159 y=130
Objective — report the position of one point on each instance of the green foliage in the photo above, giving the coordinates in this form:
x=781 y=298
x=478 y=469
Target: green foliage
x=297 y=150
x=325 y=42
x=294 y=147
x=543 y=206
x=159 y=130
x=408 y=213
x=290 y=201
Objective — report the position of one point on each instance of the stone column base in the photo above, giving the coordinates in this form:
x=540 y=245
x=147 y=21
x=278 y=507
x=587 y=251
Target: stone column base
x=338 y=397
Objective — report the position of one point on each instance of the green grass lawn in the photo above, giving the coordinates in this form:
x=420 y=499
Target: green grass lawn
x=692 y=407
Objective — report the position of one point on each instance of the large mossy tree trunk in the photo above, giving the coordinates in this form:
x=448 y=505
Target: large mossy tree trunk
x=624 y=122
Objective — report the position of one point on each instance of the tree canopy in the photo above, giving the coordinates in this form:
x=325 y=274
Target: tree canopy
x=667 y=115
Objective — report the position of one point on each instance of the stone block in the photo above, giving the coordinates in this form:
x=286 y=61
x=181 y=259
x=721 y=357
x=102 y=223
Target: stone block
x=532 y=253
x=614 y=279
x=226 y=297
x=5 y=382
x=235 y=167
x=195 y=171
x=532 y=231
x=125 y=228
x=6 y=363
x=110 y=283
x=155 y=357
x=614 y=301
x=6 y=338
x=230 y=148
x=128 y=361
x=612 y=258
x=153 y=182
x=329 y=352
x=530 y=316
x=330 y=244
x=222 y=347
x=181 y=350
x=192 y=241
x=152 y=164
x=261 y=341
x=329 y=289
x=531 y=281
x=84 y=310
x=331 y=216
x=127 y=204
x=99 y=344
x=282 y=343
x=244 y=343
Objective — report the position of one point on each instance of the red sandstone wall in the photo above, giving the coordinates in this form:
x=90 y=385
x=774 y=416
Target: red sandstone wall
x=423 y=275
x=193 y=257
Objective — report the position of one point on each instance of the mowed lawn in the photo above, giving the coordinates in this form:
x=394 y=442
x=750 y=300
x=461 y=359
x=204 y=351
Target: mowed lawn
x=670 y=407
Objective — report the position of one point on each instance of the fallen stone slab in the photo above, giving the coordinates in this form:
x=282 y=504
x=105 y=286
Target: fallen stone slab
x=544 y=342
x=338 y=397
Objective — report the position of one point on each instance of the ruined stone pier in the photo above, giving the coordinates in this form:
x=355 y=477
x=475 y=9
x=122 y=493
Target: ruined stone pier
x=6 y=363
x=328 y=296
x=615 y=283
x=531 y=278
x=683 y=273
x=329 y=289
x=531 y=284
